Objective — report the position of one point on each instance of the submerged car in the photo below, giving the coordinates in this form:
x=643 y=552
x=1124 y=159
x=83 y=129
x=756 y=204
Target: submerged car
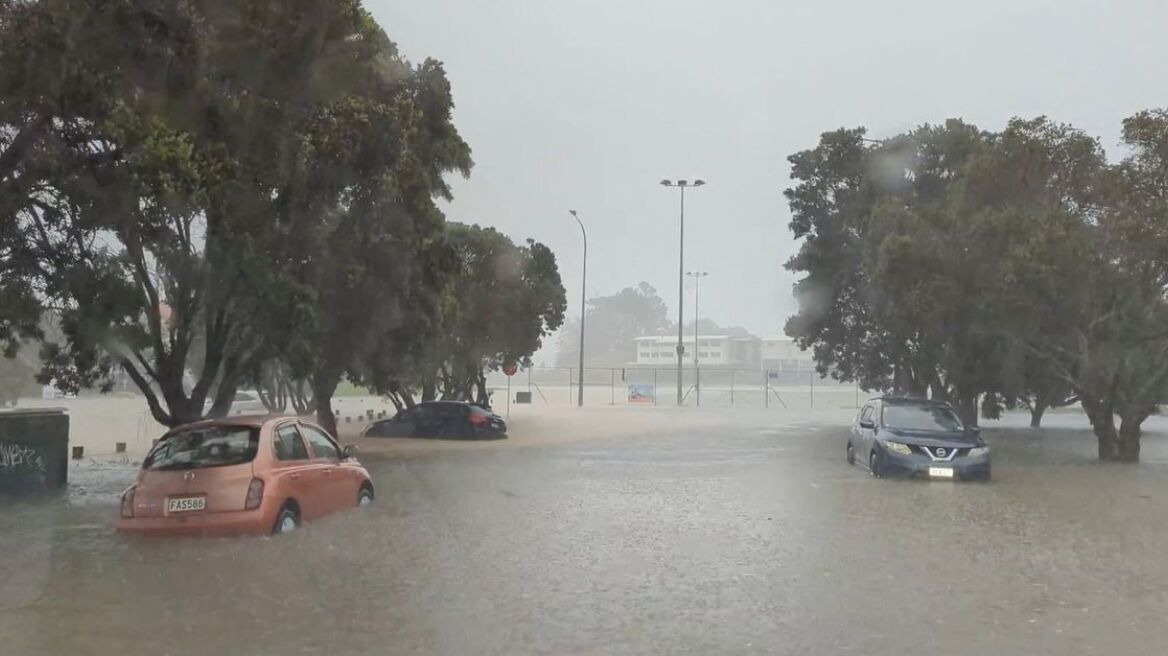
x=251 y=474
x=245 y=402
x=916 y=437
x=449 y=419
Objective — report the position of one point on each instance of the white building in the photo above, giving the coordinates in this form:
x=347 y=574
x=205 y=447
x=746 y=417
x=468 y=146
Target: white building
x=780 y=353
x=712 y=351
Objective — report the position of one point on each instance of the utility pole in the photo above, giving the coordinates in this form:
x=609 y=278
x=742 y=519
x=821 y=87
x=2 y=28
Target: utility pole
x=583 y=303
x=697 y=276
x=681 y=184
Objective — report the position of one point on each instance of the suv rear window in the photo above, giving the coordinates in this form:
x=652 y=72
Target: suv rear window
x=215 y=446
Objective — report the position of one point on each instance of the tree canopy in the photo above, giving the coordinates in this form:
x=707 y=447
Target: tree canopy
x=215 y=193
x=1018 y=267
x=612 y=324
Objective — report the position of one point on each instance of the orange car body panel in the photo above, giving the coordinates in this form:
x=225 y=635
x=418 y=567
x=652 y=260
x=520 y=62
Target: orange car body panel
x=318 y=486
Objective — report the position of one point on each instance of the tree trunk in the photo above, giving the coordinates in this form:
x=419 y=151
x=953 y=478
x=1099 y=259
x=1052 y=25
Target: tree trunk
x=967 y=409
x=1111 y=446
x=481 y=388
x=1129 y=437
x=429 y=390
x=407 y=397
x=323 y=387
x=1036 y=412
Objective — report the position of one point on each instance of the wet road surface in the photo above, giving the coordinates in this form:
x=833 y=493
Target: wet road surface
x=756 y=538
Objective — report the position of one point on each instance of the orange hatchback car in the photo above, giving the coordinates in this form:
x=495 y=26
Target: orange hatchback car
x=242 y=475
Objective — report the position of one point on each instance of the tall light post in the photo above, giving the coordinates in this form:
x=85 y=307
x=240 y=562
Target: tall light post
x=583 y=297
x=681 y=184
x=697 y=276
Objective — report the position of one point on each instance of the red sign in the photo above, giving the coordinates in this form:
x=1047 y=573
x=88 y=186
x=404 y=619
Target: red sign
x=510 y=368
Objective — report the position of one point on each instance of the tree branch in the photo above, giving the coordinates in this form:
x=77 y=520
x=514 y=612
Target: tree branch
x=23 y=142
x=156 y=410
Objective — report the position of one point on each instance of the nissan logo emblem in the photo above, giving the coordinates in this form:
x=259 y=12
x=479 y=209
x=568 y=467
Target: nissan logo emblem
x=190 y=475
x=940 y=452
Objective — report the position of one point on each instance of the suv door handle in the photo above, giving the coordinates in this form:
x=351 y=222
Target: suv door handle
x=328 y=472
x=294 y=477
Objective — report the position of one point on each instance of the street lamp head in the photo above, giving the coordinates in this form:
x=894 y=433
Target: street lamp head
x=682 y=183
x=666 y=183
x=573 y=213
x=699 y=183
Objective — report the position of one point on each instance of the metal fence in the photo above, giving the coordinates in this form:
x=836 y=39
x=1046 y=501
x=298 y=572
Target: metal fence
x=706 y=386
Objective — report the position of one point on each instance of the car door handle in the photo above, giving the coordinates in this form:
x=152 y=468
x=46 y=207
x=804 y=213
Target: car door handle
x=328 y=472
x=294 y=477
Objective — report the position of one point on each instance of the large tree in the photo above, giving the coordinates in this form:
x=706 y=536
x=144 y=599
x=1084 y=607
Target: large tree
x=612 y=324
x=65 y=68
x=1018 y=265
x=502 y=300
x=178 y=260
x=892 y=263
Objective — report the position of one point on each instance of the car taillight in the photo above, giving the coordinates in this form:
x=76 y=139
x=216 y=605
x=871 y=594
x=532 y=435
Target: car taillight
x=128 y=503
x=477 y=420
x=255 y=494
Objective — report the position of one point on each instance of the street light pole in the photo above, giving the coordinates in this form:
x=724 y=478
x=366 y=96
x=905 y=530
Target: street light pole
x=681 y=184
x=697 y=276
x=583 y=296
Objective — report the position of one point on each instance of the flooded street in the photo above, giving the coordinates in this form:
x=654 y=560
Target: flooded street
x=755 y=537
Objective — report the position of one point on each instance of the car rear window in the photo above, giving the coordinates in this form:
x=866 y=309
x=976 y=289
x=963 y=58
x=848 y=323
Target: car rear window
x=215 y=446
x=920 y=417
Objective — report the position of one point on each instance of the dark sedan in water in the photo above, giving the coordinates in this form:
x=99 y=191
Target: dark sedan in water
x=448 y=419
x=916 y=437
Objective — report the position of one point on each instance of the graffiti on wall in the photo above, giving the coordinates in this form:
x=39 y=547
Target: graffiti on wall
x=18 y=458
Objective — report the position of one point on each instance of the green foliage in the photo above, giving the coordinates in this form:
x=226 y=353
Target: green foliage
x=502 y=300
x=201 y=187
x=1018 y=266
x=612 y=325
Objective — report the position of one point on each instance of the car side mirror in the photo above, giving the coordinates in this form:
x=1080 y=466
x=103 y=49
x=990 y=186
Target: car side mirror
x=867 y=424
x=975 y=430
x=349 y=450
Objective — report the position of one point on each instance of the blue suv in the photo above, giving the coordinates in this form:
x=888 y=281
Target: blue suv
x=916 y=437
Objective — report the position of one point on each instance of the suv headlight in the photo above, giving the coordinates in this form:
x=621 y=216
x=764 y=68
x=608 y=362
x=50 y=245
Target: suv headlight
x=979 y=451
x=897 y=447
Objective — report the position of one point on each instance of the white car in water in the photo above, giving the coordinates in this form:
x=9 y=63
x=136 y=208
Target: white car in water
x=246 y=402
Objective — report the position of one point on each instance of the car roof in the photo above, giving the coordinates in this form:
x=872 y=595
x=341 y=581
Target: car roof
x=909 y=400
x=243 y=421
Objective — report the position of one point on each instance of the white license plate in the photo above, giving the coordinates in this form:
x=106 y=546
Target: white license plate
x=940 y=472
x=186 y=504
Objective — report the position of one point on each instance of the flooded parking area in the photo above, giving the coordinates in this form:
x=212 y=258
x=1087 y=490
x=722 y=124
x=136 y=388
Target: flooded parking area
x=749 y=535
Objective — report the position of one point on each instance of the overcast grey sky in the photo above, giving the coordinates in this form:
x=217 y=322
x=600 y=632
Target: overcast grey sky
x=588 y=104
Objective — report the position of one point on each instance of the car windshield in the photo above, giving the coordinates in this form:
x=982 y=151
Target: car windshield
x=921 y=417
x=216 y=446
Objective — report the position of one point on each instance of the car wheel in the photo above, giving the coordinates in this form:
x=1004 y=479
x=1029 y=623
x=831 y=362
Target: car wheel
x=287 y=521
x=364 y=497
x=851 y=454
x=874 y=464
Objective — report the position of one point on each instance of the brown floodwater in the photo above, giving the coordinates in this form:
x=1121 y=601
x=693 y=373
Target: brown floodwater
x=749 y=535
